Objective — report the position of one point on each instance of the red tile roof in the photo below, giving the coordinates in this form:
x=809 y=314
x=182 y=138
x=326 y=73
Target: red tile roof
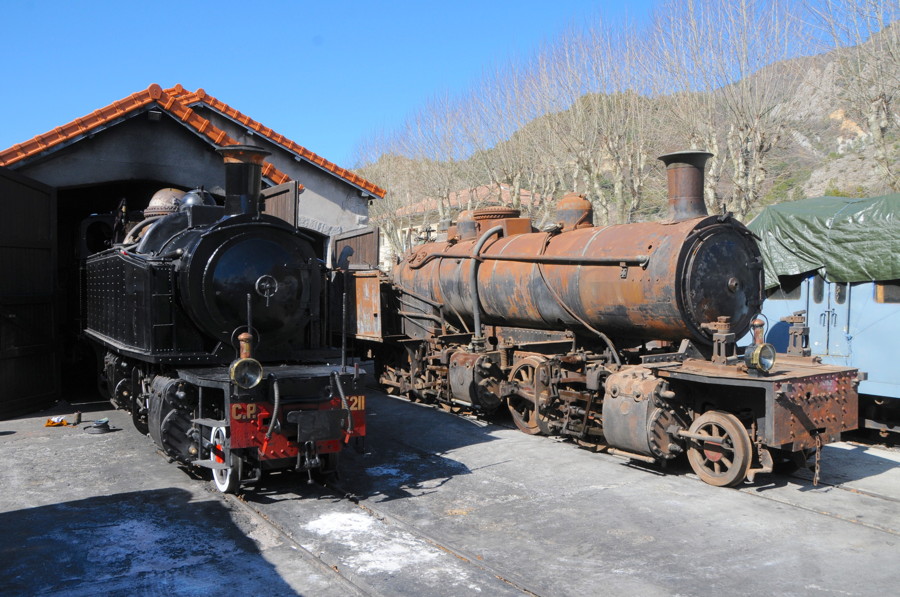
x=200 y=96
x=177 y=103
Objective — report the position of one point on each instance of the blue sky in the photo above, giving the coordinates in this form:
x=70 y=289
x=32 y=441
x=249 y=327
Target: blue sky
x=325 y=74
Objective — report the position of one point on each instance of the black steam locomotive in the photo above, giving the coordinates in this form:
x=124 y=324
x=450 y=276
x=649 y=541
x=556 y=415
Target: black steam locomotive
x=208 y=317
x=620 y=337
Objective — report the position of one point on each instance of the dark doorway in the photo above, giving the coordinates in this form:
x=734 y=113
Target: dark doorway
x=85 y=225
x=29 y=360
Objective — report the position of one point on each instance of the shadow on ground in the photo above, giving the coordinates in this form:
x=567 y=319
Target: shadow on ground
x=147 y=542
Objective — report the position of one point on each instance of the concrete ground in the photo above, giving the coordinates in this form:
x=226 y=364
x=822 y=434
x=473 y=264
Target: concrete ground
x=442 y=505
x=84 y=514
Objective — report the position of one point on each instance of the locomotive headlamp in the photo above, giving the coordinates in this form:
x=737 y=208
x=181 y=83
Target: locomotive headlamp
x=760 y=357
x=246 y=373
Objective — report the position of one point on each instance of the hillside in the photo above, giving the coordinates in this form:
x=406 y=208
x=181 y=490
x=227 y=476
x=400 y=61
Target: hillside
x=802 y=127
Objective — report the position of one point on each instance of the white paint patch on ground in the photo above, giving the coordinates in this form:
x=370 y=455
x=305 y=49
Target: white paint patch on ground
x=373 y=546
x=340 y=522
x=130 y=547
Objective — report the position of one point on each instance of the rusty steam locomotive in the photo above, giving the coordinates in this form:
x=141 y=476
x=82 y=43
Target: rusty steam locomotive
x=207 y=317
x=620 y=337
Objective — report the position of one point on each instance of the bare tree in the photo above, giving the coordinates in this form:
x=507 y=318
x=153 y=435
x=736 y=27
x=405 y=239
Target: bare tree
x=588 y=112
x=721 y=78
x=433 y=136
x=866 y=35
x=598 y=117
x=626 y=115
x=499 y=106
x=394 y=214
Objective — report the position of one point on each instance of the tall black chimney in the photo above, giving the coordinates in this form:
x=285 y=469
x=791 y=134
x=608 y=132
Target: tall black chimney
x=243 y=178
x=684 y=171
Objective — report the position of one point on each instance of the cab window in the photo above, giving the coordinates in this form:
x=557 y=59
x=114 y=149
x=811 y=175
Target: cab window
x=887 y=292
x=840 y=293
x=818 y=293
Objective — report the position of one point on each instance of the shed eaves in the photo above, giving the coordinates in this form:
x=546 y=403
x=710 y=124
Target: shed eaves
x=85 y=125
x=178 y=104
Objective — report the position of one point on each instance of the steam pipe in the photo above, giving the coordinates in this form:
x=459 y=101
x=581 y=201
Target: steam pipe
x=473 y=278
x=344 y=403
x=276 y=404
x=344 y=330
x=641 y=260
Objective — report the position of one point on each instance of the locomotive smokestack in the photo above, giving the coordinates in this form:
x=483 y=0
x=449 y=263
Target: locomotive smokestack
x=243 y=178
x=684 y=170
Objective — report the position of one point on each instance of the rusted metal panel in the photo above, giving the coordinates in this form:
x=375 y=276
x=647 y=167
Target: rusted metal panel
x=29 y=366
x=633 y=418
x=823 y=405
x=368 y=306
x=803 y=399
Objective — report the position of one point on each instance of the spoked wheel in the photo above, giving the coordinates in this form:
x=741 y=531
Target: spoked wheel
x=417 y=388
x=724 y=459
x=522 y=405
x=226 y=479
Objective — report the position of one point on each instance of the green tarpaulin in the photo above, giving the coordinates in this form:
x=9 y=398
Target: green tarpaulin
x=847 y=240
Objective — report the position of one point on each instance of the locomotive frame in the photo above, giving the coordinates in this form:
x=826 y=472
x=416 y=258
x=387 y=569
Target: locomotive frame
x=622 y=338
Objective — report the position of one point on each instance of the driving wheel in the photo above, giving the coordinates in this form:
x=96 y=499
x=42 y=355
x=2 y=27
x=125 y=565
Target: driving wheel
x=724 y=459
x=523 y=403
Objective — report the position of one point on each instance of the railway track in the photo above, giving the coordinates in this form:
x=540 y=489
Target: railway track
x=333 y=566
x=346 y=579
x=460 y=561
x=456 y=506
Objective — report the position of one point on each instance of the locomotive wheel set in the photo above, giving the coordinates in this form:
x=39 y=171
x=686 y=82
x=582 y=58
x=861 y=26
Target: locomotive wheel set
x=621 y=337
x=207 y=317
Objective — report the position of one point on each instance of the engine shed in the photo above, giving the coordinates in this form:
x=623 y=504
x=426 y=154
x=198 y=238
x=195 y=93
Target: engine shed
x=113 y=160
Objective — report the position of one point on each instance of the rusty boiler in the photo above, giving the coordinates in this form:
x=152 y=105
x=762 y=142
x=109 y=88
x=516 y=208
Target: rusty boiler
x=636 y=282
